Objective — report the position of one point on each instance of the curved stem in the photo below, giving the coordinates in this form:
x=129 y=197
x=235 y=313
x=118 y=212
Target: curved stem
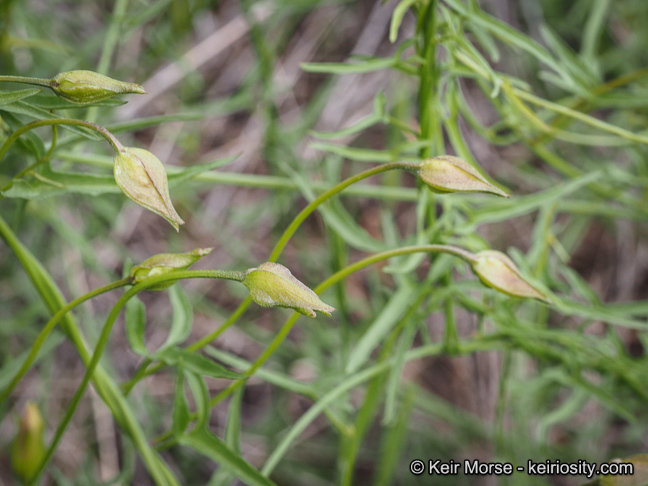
x=104 y=383
x=299 y=219
x=276 y=252
x=114 y=143
x=105 y=334
x=333 y=279
x=25 y=80
x=49 y=327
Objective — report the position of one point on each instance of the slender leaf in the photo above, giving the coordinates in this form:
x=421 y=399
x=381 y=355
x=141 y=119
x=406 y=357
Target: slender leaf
x=181 y=414
x=11 y=96
x=135 y=325
x=202 y=441
x=24 y=108
x=355 y=68
x=55 y=183
x=182 y=319
x=196 y=363
x=379 y=328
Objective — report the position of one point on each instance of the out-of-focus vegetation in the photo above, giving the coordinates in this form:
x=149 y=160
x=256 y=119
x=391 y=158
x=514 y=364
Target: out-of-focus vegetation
x=255 y=109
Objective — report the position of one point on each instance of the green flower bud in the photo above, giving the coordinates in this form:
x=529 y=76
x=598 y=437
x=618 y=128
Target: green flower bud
x=498 y=271
x=272 y=285
x=446 y=173
x=28 y=448
x=141 y=176
x=85 y=87
x=165 y=263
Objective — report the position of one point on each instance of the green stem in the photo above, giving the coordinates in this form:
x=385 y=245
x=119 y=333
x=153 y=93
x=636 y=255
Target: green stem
x=299 y=219
x=428 y=75
x=25 y=80
x=276 y=252
x=350 y=445
x=333 y=279
x=105 y=334
x=261 y=181
x=349 y=384
x=104 y=383
x=141 y=373
x=114 y=143
x=49 y=327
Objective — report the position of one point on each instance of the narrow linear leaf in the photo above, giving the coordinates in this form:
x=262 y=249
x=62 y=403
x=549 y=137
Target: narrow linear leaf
x=389 y=316
x=182 y=320
x=509 y=35
x=211 y=446
x=11 y=96
x=196 y=363
x=394 y=381
x=273 y=377
x=357 y=127
x=29 y=142
x=201 y=397
x=55 y=103
x=181 y=415
x=135 y=317
x=24 y=108
x=139 y=123
x=508 y=209
x=397 y=18
x=55 y=183
x=352 y=153
x=177 y=177
x=344 y=68
x=394 y=440
x=223 y=477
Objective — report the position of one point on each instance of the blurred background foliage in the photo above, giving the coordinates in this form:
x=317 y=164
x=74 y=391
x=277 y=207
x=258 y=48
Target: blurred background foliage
x=228 y=79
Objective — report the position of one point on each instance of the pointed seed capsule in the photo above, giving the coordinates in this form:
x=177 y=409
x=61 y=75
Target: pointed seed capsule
x=85 y=87
x=141 y=176
x=272 y=285
x=446 y=173
x=165 y=263
x=496 y=270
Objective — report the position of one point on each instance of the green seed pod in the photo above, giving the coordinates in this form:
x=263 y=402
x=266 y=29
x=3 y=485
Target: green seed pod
x=272 y=285
x=446 y=173
x=28 y=448
x=498 y=271
x=141 y=176
x=85 y=87
x=165 y=263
